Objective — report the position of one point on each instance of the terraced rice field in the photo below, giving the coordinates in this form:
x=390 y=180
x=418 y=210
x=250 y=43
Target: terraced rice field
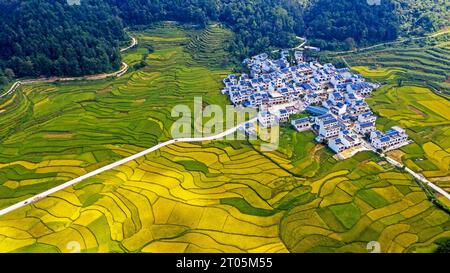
x=426 y=62
x=222 y=196
x=209 y=46
x=411 y=72
x=426 y=116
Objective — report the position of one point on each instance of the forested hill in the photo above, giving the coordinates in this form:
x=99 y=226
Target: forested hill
x=258 y=24
x=51 y=37
x=420 y=16
x=335 y=24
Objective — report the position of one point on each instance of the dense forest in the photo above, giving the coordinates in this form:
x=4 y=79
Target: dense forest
x=51 y=37
x=258 y=24
x=335 y=24
x=421 y=16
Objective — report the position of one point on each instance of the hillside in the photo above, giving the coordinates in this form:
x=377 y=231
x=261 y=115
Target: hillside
x=42 y=38
x=422 y=16
x=46 y=38
x=217 y=196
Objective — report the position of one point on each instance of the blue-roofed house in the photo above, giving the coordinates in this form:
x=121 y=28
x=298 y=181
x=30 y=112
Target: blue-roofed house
x=328 y=132
x=394 y=138
x=337 y=80
x=340 y=87
x=365 y=127
x=316 y=110
x=311 y=99
x=351 y=98
x=335 y=97
x=367 y=117
x=283 y=115
x=357 y=78
x=266 y=119
x=336 y=145
x=339 y=109
x=361 y=89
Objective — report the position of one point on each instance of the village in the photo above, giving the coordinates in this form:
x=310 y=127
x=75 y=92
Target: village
x=333 y=98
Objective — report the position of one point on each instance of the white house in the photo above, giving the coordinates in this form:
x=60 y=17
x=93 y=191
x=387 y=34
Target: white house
x=329 y=132
x=299 y=56
x=365 y=127
x=337 y=80
x=359 y=107
x=357 y=78
x=302 y=124
x=266 y=119
x=336 y=97
x=283 y=115
x=311 y=99
x=345 y=140
x=367 y=117
x=319 y=119
x=349 y=138
x=351 y=98
x=395 y=137
x=339 y=109
x=361 y=89
x=336 y=145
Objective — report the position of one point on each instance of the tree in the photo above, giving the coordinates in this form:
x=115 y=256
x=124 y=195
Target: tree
x=443 y=246
x=3 y=80
x=9 y=73
x=139 y=65
x=350 y=42
x=49 y=37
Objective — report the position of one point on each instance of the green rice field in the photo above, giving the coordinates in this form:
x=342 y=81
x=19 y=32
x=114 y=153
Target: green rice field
x=221 y=196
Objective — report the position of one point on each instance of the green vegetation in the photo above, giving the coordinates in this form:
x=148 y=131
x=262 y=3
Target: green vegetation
x=209 y=47
x=347 y=214
x=194 y=166
x=414 y=95
x=425 y=62
x=372 y=198
x=221 y=196
x=443 y=245
x=88 y=124
x=344 y=24
x=52 y=38
x=244 y=207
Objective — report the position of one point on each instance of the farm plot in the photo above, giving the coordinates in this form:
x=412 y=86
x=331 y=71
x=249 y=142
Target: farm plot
x=425 y=115
x=414 y=96
x=427 y=63
x=221 y=196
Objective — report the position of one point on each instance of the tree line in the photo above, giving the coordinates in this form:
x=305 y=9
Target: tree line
x=51 y=37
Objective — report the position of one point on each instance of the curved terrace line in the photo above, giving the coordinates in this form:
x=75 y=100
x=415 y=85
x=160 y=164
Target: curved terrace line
x=45 y=194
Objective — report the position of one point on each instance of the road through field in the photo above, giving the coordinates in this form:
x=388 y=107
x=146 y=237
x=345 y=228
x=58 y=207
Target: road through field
x=119 y=163
x=436 y=34
x=417 y=176
x=119 y=73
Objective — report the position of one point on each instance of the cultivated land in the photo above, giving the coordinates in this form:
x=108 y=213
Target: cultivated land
x=415 y=96
x=211 y=196
x=424 y=61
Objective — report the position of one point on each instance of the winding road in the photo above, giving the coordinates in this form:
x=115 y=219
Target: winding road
x=402 y=40
x=119 y=73
x=42 y=195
